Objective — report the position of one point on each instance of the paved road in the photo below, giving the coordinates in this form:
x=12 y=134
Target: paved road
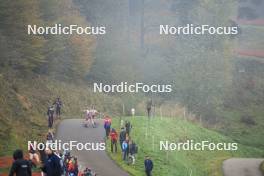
x=242 y=167
x=72 y=130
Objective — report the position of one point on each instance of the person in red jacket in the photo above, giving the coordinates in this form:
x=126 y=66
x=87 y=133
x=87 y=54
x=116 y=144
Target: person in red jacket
x=113 y=136
x=107 y=125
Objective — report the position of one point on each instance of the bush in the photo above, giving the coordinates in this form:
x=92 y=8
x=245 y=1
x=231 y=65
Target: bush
x=248 y=120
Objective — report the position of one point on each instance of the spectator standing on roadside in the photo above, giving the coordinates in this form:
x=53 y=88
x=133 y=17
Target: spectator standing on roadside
x=124 y=150
x=33 y=155
x=52 y=165
x=50 y=114
x=20 y=166
x=58 y=105
x=122 y=136
x=128 y=127
x=148 y=165
x=114 y=137
x=149 y=105
x=107 y=126
x=132 y=151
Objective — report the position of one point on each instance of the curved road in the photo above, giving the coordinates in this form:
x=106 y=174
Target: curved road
x=242 y=167
x=72 y=130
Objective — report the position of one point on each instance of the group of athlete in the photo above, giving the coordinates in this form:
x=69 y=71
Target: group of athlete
x=89 y=117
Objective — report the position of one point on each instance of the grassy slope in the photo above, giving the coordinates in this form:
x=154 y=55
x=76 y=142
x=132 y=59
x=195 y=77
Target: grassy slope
x=24 y=104
x=178 y=163
x=250 y=135
x=251 y=38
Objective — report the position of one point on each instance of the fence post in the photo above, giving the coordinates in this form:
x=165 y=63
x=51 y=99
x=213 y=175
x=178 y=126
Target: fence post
x=153 y=143
x=123 y=108
x=184 y=113
x=160 y=113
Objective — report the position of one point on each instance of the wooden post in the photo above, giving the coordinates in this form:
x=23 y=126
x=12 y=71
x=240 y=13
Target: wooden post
x=184 y=113
x=153 y=143
x=146 y=133
x=167 y=156
x=160 y=113
x=123 y=108
x=191 y=173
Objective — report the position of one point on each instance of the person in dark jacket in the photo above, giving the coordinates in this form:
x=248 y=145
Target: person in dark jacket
x=149 y=105
x=52 y=165
x=122 y=136
x=128 y=127
x=20 y=166
x=50 y=114
x=148 y=165
x=132 y=151
x=58 y=105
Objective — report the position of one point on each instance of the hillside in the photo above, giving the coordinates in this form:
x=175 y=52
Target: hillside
x=25 y=102
x=148 y=134
x=35 y=69
x=216 y=80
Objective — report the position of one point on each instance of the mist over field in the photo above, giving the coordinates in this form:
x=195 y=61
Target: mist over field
x=215 y=81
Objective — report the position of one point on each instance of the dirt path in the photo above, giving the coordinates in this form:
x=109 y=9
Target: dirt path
x=242 y=167
x=72 y=130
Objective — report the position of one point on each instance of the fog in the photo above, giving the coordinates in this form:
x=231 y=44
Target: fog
x=204 y=70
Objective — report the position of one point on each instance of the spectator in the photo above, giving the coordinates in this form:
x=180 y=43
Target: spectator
x=58 y=105
x=20 y=166
x=50 y=114
x=124 y=150
x=107 y=125
x=132 y=151
x=114 y=137
x=149 y=105
x=122 y=136
x=148 y=165
x=128 y=127
x=50 y=137
x=33 y=154
x=52 y=165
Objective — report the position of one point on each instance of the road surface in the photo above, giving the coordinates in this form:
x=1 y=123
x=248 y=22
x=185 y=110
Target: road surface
x=72 y=130
x=242 y=167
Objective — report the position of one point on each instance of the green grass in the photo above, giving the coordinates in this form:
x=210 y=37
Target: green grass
x=262 y=167
x=148 y=134
x=250 y=135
